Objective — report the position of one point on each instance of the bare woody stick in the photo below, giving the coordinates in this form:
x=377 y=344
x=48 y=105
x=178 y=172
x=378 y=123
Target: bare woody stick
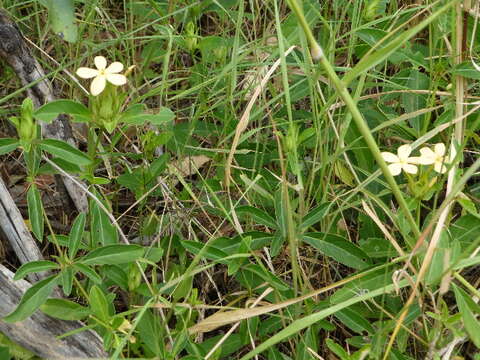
x=16 y=53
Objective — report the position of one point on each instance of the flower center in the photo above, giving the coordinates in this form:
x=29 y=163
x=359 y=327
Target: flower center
x=101 y=72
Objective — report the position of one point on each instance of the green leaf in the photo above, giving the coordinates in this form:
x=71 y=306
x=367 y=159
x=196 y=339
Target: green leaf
x=371 y=36
x=99 y=303
x=378 y=248
x=467 y=70
x=163 y=116
x=7 y=145
x=465 y=230
x=416 y=80
x=89 y=272
x=469 y=310
x=337 y=349
x=35 y=212
x=267 y=276
x=362 y=285
x=208 y=251
x=65 y=309
x=157 y=166
x=355 y=321
x=67 y=280
x=64 y=151
x=61 y=14
x=280 y=212
x=113 y=254
x=468 y=205
x=213 y=48
x=117 y=275
x=32 y=299
x=258 y=215
x=314 y=216
x=101 y=229
x=34 y=267
x=5 y=353
x=338 y=248
x=51 y=110
x=76 y=235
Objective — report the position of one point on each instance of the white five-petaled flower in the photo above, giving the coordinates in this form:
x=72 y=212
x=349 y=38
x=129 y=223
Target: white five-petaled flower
x=401 y=161
x=103 y=74
x=435 y=157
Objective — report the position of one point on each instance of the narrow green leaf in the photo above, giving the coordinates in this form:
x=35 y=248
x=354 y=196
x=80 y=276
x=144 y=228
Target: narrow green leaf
x=34 y=267
x=337 y=349
x=258 y=215
x=32 y=299
x=67 y=280
x=113 y=254
x=208 y=251
x=338 y=248
x=314 y=216
x=280 y=212
x=65 y=309
x=89 y=272
x=469 y=310
x=64 y=151
x=467 y=70
x=267 y=276
x=355 y=321
x=101 y=228
x=35 y=212
x=99 y=303
x=163 y=116
x=7 y=145
x=76 y=235
x=51 y=110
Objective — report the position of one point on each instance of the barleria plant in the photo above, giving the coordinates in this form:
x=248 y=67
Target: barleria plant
x=265 y=179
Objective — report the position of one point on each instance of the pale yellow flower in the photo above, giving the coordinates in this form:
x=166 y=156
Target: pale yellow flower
x=103 y=74
x=435 y=157
x=401 y=161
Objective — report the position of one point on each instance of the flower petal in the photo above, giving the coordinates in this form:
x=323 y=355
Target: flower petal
x=427 y=156
x=117 y=79
x=100 y=62
x=98 y=85
x=409 y=168
x=395 y=169
x=114 y=67
x=87 y=73
x=389 y=157
x=440 y=149
x=440 y=167
x=416 y=160
x=404 y=151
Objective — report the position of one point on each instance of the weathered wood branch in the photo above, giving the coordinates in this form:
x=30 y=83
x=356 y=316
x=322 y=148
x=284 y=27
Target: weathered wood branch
x=17 y=233
x=39 y=332
x=16 y=53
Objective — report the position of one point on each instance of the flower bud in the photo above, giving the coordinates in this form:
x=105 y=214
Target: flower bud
x=25 y=124
x=191 y=40
x=106 y=108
